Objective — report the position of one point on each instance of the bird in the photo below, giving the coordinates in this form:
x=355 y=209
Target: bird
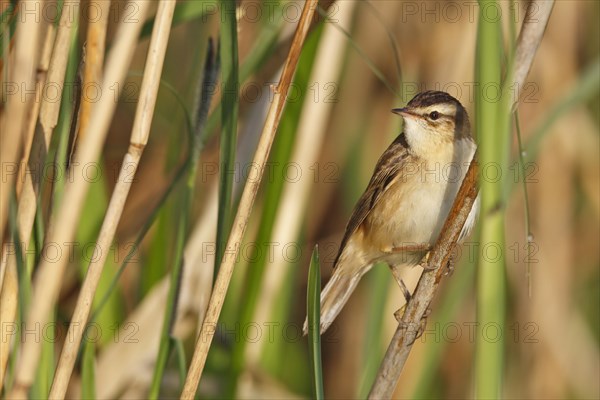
x=399 y=216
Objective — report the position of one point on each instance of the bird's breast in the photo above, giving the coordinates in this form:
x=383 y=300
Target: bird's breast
x=414 y=208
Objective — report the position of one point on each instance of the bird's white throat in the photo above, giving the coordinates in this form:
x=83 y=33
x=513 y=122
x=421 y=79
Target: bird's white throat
x=424 y=141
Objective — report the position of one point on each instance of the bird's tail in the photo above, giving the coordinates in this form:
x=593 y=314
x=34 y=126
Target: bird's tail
x=338 y=290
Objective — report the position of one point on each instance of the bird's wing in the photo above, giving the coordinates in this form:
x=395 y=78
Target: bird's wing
x=386 y=171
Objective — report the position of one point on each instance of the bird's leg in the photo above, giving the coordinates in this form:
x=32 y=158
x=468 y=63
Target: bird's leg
x=407 y=296
x=400 y=312
x=398 y=277
x=411 y=247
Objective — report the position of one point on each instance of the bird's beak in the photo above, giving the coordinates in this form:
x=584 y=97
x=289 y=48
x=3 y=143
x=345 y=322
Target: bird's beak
x=404 y=112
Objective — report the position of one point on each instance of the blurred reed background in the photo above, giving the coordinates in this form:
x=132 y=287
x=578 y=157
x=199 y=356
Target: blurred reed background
x=360 y=60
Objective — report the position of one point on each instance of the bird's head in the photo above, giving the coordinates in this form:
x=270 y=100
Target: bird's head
x=434 y=118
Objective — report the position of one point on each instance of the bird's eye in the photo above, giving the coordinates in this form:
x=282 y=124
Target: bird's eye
x=434 y=115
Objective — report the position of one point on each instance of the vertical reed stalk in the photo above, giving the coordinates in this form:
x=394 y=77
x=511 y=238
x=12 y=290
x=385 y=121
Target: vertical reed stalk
x=494 y=127
x=245 y=208
x=493 y=139
x=94 y=60
x=309 y=121
x=313 y=311
x=21 y=76
x=34 y=112
x=229 y=117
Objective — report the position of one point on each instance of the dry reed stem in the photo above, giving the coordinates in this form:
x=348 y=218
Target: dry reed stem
x=94 y=59
x=63 y=224
x=139 y=138
x=8 y=313
x=245 y=207
x=21 y=75
x=25 y=211
x=24 y=177
x=306 y=149
x=34 y=113
x=406 y=333
x=13 y=134
x=529 y=40
x=50 y=109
